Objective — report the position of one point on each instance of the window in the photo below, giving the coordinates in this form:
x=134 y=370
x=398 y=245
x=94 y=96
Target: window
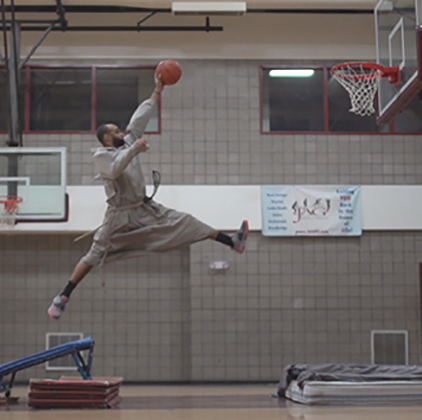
x=294 y=103
x=317 y=103
x=119 y=92
x=60 y=100
x=4 y=103
x=78 y=98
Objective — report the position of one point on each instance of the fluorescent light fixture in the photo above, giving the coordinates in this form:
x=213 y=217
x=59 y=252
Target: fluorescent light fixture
x=292 y=72
x=208 y=8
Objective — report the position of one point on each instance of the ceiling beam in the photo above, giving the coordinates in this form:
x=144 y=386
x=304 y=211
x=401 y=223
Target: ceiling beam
x=130 y=9
x=116 y=28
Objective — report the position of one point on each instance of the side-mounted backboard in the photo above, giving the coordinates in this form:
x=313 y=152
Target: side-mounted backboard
x=399 y=43
x=38 y=176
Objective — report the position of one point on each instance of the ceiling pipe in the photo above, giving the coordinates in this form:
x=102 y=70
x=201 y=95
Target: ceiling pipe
x=124 y=28
x=314 y=11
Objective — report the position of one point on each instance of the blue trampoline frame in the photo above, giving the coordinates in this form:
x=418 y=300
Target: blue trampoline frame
x=74 y=348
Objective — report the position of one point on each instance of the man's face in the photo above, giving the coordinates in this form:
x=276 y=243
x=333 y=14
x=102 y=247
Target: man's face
x=116 y=135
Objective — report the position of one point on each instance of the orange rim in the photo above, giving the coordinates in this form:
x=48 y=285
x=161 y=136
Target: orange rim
x=10 y=201
x=376 y=71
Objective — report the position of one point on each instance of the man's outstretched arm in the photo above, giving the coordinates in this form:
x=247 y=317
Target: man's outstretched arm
x=143 y=113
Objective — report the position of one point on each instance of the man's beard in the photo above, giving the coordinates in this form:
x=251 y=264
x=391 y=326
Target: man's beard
x=118 y=142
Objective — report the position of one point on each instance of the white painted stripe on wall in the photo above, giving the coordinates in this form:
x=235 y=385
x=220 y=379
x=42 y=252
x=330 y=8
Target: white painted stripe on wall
x=384 y=207
x=391 y=207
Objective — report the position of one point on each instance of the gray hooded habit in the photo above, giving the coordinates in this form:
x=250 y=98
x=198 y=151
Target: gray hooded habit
x=133 y=225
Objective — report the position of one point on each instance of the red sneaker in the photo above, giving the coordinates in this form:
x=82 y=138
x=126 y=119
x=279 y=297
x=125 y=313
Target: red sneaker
x=57 y=307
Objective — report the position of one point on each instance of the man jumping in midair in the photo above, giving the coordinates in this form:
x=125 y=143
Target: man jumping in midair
x=134 y=223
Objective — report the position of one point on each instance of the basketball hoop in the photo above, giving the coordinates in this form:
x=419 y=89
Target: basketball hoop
x=8 y=213
x=361 y=81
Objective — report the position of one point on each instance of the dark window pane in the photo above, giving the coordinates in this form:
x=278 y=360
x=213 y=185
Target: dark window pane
x=120 y=91
x=60 y=99
x=4 y=104
x=293 y=103
x=342 y=120
x=410 y=119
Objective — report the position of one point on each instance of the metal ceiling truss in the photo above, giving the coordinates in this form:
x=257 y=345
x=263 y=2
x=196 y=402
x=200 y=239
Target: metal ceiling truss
x=132 y=9
x=61 y=11
x=35 y=25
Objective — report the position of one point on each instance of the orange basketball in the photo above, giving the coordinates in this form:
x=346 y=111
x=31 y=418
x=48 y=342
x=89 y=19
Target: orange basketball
x=170 y=71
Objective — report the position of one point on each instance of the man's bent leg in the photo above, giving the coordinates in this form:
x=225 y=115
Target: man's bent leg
x=59 y=302
x=80 y=271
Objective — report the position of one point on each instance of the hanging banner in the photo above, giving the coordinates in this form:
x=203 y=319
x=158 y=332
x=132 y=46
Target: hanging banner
x=311 y=210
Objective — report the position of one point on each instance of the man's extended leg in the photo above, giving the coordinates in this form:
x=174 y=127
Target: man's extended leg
x=59 y=302
x=237 y=241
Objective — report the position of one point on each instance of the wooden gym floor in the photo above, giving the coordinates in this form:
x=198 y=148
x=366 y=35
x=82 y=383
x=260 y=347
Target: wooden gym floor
x=209 y=402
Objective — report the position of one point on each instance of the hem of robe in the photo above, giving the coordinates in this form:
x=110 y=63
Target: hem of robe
x=156 y=228
x=127 y=254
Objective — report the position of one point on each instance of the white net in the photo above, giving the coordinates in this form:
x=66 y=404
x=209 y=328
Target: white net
x=361 y=83
x=7 y=220
x=8 y=215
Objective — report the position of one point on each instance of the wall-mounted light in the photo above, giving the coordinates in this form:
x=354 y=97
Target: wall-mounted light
x=292 y=72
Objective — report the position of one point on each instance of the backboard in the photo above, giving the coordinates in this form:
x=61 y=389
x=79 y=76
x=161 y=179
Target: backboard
x=38 y=175
x=399 y=43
